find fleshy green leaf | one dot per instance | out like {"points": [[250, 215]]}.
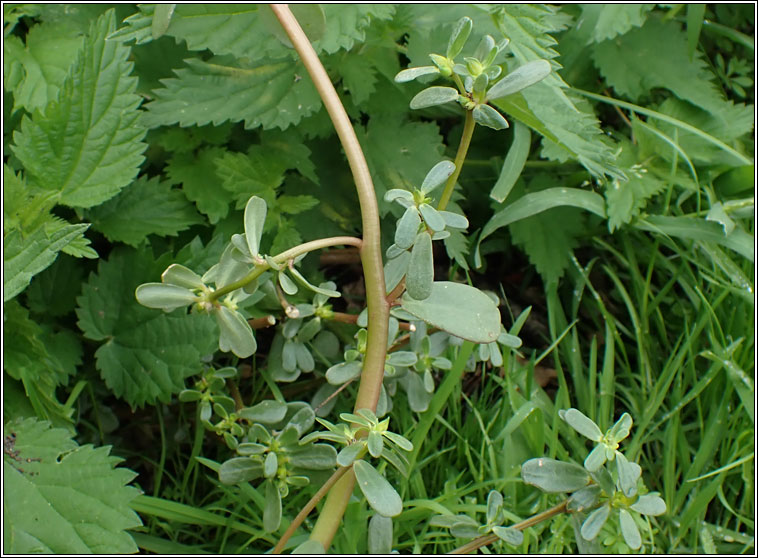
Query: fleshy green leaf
{"points": [[236, 335], [459, 36], [177, 274], [551, 475], [379, 534], [596, 458], [621, 428], [265, 412], [380, 494], [61, 498], [420, 276], [272, 510], [432, 217], [407, 228], [410, 74], [255, 218], [145, 207], [86, 146], [239, 469], [629, 473], [582, 424], [629, 530], [433, 96], [511, 536], [592, 525], [649, 504], [458, 309], [521, 78], [349, 454], [165, 297], [439, 174], [487, 116], [226, 89], [343, 372], [310, 547]]}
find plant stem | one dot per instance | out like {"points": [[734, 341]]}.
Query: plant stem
{"points": [[534, 520], [468, 131], [371, 258], [337, 475], [294, 252]]}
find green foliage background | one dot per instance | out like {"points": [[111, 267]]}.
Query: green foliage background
{"points": [[629, 230]]}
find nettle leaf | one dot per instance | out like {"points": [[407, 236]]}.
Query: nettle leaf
{"points": [[147, 354], [399, 153], [458, 309], [606, 21], [358, 76], [35, 69], [61, 498], [632, 64], [53, 292], [549, 239], [570, 129], [347, 24], [25, 256], [264, 93], [196, 172], [147, 206], [87, 145]]}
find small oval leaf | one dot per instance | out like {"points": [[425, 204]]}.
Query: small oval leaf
{"points": [[592, 525], [487, 116], [521, 78], [629, 530], [551, 475], [509, 535], [265, 412], [459, 36], [255, 217], [181, 276], [410, 74], [235, 333], [433, 96], [439, 174], [431, 217], [420, 277], [272, 509], [407, 228], [165, 297], [582, 424], [380, 535], [379, 493]]}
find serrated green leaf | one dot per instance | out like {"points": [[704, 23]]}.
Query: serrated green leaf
{"points": [[147, 354], [458, 309], [358, 76], [34, 69], [226, 89], [348, 24], [633, 66], [606, 21], [24, 257], [420, 275], [196, 172], [87, 164], [380, 494], [161, 19], [53, 292], [145, 207], [62, 498], [570, 129], [551, 475]]}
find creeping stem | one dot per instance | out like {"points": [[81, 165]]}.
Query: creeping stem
{"points": [[371, 258], [298, 250]]}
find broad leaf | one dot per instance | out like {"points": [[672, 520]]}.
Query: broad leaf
{"points": [[146, 354], [226, 89], [145, 207], [61, 498], [196, 172], [86, 146], [380, 494], [458, 309]]}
